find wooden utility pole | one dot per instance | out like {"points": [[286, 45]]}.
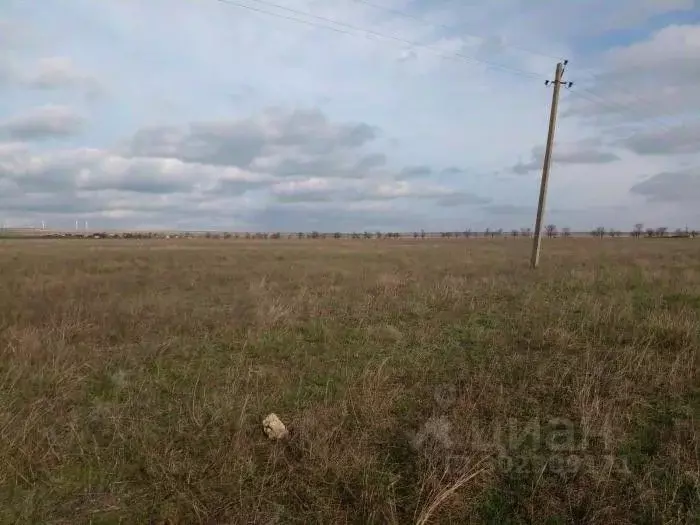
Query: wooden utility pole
{"points": [[559, 73]]}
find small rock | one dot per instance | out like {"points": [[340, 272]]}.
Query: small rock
{"points": [[274, 428]]}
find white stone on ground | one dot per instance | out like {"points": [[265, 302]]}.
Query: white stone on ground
{"points": [[274, 428]]}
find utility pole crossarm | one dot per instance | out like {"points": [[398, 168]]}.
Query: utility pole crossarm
{"points": [[557, 82]]}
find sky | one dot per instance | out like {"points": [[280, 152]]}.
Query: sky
{"points": [[350, 115]]}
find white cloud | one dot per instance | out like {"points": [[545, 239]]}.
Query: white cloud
{"points": [[653, 78], [368, 190], [584, 152], [59, 73], [50, 121], [675, 140], [361, 125], [667, 47], [48, 74], [88, 169], [288, 142], [679, 187]]}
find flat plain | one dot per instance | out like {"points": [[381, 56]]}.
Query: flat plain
{"points": [[423, 381]]}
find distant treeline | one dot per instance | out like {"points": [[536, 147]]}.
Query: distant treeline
{"points": [[550, 231]]}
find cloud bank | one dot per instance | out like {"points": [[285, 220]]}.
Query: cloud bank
{"points": [[213, 117]]}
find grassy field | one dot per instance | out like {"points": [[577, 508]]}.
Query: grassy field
{"points": [[435, 381]]}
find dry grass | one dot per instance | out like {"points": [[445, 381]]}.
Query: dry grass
{"points": [[134, 376]]}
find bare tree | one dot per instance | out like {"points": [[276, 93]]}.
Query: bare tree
{"points": [[526, 232], [661, 232], [467, 233], [422, 234], [551, 230], [650, 232], [337, 235], [566, 232], [638, 228], [599, 232], [514, 233]]}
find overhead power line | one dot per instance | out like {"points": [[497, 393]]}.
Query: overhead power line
{"points": [[405, 14], [366, 31], [598, 100], [351, 30], [622, 109]]}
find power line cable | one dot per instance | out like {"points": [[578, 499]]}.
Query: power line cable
{"points": [[616, 82], [457, 56], [407, 15], [597, 101], [622, 108], [642, 131], [454, 56], [594, 98], [588, 73], [628, 107], [410, 16]]}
